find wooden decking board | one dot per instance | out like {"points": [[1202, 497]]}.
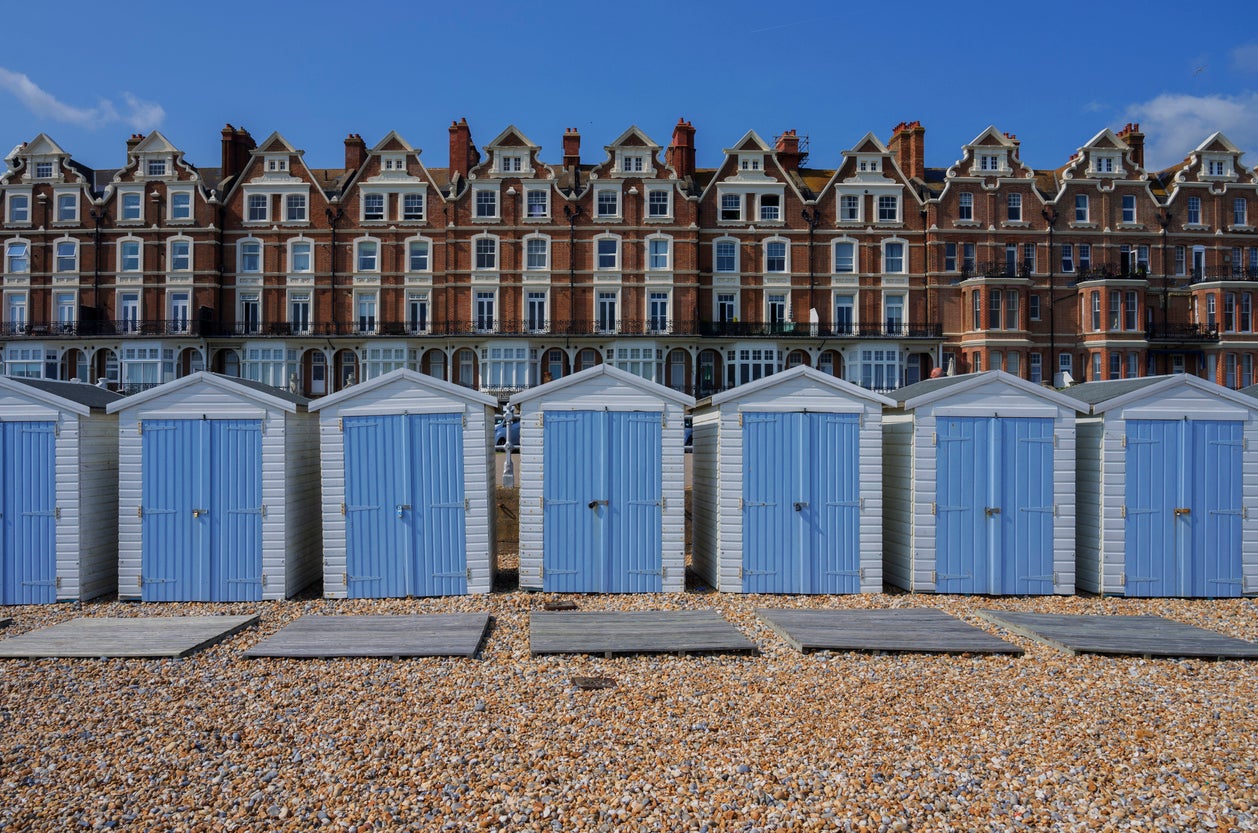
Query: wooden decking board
{"points": [[1148, 636], [635, 632], [428, 635], [909, 630], [140, 637]]}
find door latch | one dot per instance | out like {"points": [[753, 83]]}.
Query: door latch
{"points": [[596, 503], [402, 507], [992, 510], [800, 504], [1183, 510], [196, 513]]}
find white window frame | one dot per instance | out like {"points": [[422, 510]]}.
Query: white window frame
{"points": [[410, 257], [667, 212], [58, 258], [405, 214], [63, 199], [603, 324], [652, 321], [965, 207], [1192, 212], [484, 198], [373, 197], [533, 324], [598, 254], [257, 200], [124, 206], [773, 297], [291, 255], [539, 196], [897, 206], [834, 254], [529, 242], [904, 256], [178, 324], [241, 255], [850, 327], [295, 297], [10, 209], [1128, 208], [509, 162], [601, 196], [851, 208], [491, 257], [631, 162], [172, 213], [480, 323], [418, 324], [776, 210], [361, 246], [171, 244], [1013, 208], [243, 301], [902, 326], [123, 245], [372, 322], [1083, 208], [716, 258], [290, 206], [786, 256], [729, 203], [651, 243]]}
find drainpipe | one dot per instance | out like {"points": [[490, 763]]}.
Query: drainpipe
{"points": [[334, 217], [1050, 216]]}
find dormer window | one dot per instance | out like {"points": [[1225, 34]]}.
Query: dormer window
{"points": [[1218, 167], [991, 162], [511, 163], [277, 164], [632, 163], [1105, 163], [748, 163], [43, 170], [157, 167], [395, 163], [870, 165]]}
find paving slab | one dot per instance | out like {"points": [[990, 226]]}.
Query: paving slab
{"points": [[906, 630], [613, 633], [1145, 636], [425, 635], [140, 637]]}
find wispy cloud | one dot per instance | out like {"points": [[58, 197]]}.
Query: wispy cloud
{"points": [[1245, 58], [138, 114], [1175, 124]]}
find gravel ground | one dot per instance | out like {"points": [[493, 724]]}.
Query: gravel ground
{"points": [[506, 742]]}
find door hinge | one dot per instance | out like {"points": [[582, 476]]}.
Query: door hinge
{"points": [[263, 510], [934, 577], [862, 504], [1054, 441], [664, 504], [1124, 441], [540, 418], [56, 512], [934, 438], [342, 508], [264, 579], [663, 572], [56, 428], [1055, 510], [465, 419], [139, 426], [262, 426], [934, 509], [740, 504], [740, 569], [340, 424], [345, 579], [1056, 580], [467, 504], [139, 512], [139, 581], [469, 573], [1124, 510], [541, 503], [862, 573], [740, 425], [860, 419]]}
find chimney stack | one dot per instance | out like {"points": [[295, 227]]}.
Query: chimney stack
{"points": [[355, 152], [908, 143], [681, 153], [135, 139], [788, 151], [463, 154], [1135, 140], [571, 148], [236, 146]]}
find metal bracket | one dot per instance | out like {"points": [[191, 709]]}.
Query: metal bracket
{"points": [[934, 508], [1124, 510], [139, 512], [56, 513], [934, 438], [340, 424], [139, 426], [342, 508], [469, 573], [740, 425], [467, 504], [263, 510]]}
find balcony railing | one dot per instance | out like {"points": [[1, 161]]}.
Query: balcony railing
{"points": [[1182, 333], [1223, 273], [797, 329]]}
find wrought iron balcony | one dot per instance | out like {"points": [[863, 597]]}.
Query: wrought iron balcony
{"points": [[1182, 333], [1234, 272], [797, 329]]}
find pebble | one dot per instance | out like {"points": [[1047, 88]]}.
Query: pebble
{"points": [[839, 741]]}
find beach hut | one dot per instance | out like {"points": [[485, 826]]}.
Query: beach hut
{"points": [[408, 488], [787, 486], [980, 486], [602, 484], [218, 491], [1167, 476], [58, 491]]}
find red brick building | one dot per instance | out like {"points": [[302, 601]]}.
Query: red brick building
{"points": [[506, 269]]}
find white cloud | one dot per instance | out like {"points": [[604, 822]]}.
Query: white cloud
{"points": [[1245, 58], [140, 115], [1175, 124]]}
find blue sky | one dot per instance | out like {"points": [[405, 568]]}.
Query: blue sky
{"points": [[316, 71]]}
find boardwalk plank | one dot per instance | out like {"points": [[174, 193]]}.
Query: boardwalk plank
{"points": [[1147, 636], [915, 630], [429, 635], [635, 632], [144, 637]]}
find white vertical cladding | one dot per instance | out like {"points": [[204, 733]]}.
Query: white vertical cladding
{"points": [[1065, 495], [478, 486], [925, 466], [673, 490], [1249, 500], [274, 544], [871, 543], [332, 477], [302, 530], [1113, 526], [130, 486], [729, 534], [1088, 543], [705, 497], [70, 563], [530, 479], [97, 505], [897, 492]]}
